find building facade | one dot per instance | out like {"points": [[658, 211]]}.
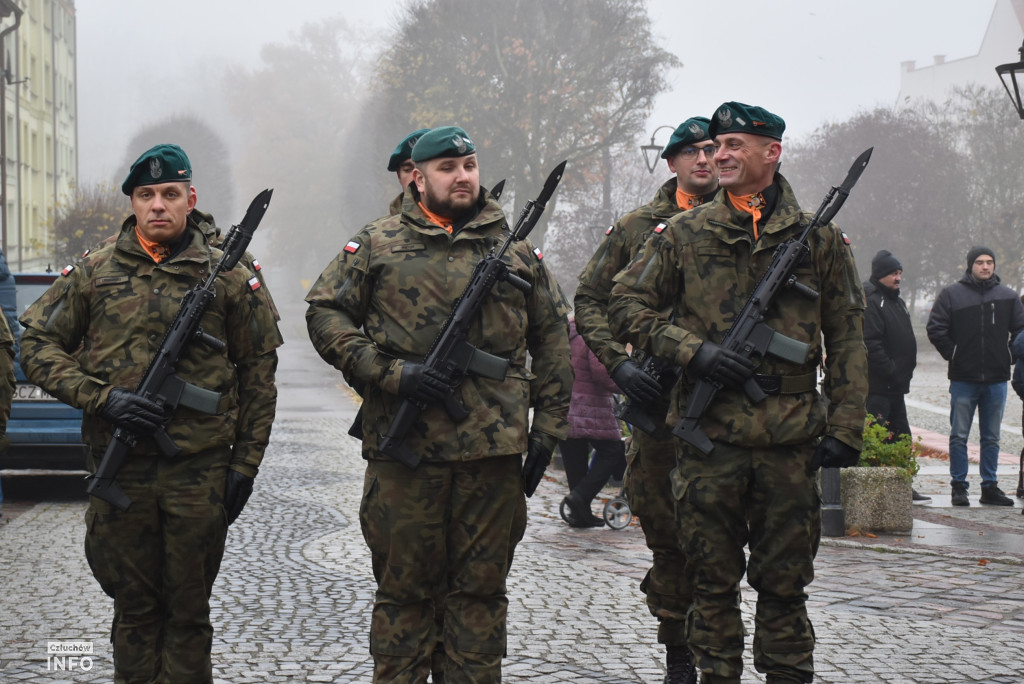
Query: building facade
{"points": [[39, 137], [1000, 44]]}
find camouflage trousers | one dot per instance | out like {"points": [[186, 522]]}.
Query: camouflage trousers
{"points": [[452, 525], [764, 498], [651, 458], [158, 561]]}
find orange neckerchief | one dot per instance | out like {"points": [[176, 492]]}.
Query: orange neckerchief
{"points": [[685, 200], [434, 218], [750, 204], [158, 250]]}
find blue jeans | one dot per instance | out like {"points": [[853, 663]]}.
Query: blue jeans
{"points": [[989, 398]]}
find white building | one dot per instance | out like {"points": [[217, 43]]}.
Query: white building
{"points": [[1001, 44]]}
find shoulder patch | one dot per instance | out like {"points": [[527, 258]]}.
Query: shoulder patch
{"points": [[85, 253], [254, 283], [67, 270], [846, 238], [256, 265], [538, 253], [660, 228], [610, 229], [352, 247]]}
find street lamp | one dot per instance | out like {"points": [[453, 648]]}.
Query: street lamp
{"points": [[1013, 70], [653, 151]]}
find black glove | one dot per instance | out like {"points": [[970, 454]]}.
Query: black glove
{"points": [[133, 412], [832, 453], [636, 384], [423, 384], [236, 492], [538, 457], [719, 365]]}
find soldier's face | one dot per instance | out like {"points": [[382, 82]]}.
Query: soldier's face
{"points": [[746, 163], [405, 173], [161, 210], [449, 186], [694, 166]]}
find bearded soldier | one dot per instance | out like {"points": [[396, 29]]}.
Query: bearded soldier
{"points": [[373, 314]]}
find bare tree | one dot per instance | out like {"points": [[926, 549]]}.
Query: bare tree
{"points": [[911, 200], [533, 81], [90, 216]]}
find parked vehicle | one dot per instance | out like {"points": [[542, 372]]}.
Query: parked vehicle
{"points": [[44, 432]]}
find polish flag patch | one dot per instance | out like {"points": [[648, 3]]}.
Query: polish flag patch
{"points": [[256, 266], [846, 238], [540, 256], [609, 231], [659, 228], [352, 247], [254, 283], [68, 269]]}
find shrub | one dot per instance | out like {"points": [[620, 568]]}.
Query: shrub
{"points": [[882, 449]]}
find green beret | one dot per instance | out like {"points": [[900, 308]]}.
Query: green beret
{"points": [[447, 141], [159, 164], [404, 149], [736, 117], [693, 130]]}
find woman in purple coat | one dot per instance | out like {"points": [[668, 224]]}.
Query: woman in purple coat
{"points": [[592, 424]]}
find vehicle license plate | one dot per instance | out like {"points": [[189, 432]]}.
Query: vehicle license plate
{"points": [[26, 392]]}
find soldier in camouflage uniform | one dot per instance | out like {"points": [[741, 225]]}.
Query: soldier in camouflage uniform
{"points": [[7, 382], [88, 340], [678, 299], [373, 314], [401, 163], [690, 156]]}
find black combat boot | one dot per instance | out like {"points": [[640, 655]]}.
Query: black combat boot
{"points": [[679, 666], [959, 496]]}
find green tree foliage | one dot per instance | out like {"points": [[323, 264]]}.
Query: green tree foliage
{"points": [[211, 163], [911, 200], [92, 215], [532, 81]]}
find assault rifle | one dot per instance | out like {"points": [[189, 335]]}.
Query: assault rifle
{"points": [[160, 383], [451, 353], [650, 417], [356, 428], [749, 334]]}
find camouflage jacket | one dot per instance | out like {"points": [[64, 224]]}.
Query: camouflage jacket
{"points": [[384, 299], [620, 245], [701, 269], [100, 324], [7, 381]]}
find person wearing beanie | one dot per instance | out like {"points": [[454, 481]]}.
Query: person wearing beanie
{"points": [[689, 155], [88, 340], [676, 300], [453, 521], [971, 324], [892, 348]]}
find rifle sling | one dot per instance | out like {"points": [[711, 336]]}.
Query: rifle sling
{"points": [[787, 384]]}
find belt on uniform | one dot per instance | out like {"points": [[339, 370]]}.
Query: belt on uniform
{"points": [[787, 384]]}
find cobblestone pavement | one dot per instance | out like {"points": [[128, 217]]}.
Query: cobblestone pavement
{"points": [[293, 598]]}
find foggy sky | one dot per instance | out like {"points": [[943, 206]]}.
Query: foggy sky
{"points": [[809, 61]]}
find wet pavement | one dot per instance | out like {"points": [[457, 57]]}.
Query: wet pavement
{"points": [[942, 604]]}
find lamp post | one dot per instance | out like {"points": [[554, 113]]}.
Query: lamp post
{"points": [[653, 151], [1013, 70]]}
